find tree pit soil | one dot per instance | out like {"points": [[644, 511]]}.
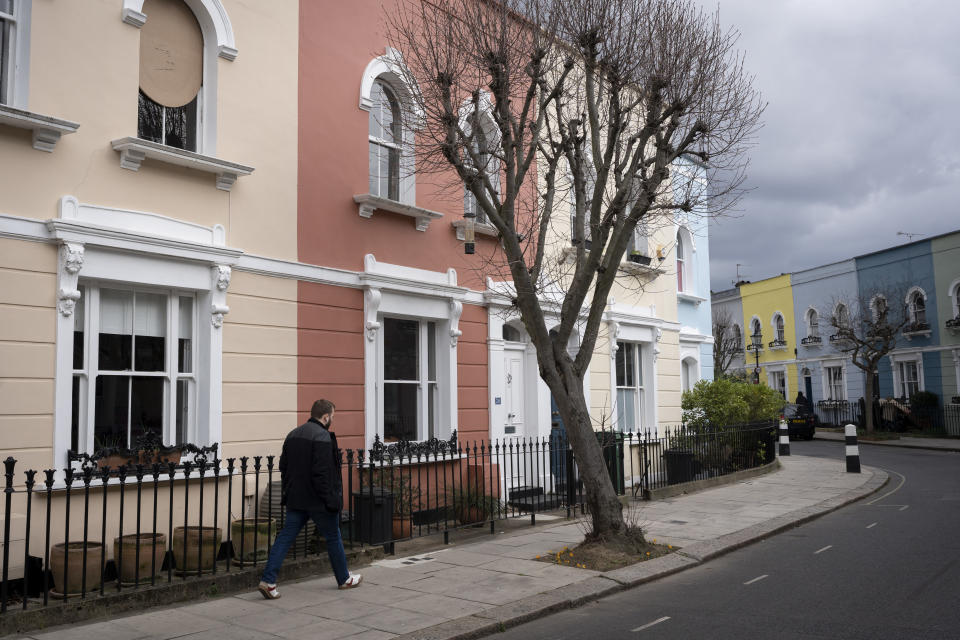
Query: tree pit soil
{"points": [[606, 555]]}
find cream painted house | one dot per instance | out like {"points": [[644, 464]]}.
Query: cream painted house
{"points": [[147, 214]]}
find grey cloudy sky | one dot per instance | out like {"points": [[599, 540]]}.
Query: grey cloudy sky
{"points": [[861, 137]]}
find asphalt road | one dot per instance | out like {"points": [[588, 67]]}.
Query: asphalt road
{"points": [[887, 566]]}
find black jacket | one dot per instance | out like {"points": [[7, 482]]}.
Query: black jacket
{"points": [[310, 469]]}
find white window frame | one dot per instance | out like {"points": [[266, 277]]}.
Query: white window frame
{"points": [[953, 292], [387, 144], [391, 70], [637, 388], [832, 384], [16, 56], [494, 166], [423, 381], [779, 326], [813, 323], [911, 301], [163, 125], [898, 361], [171, 375], [122, 248], [624, 325], [405, 292], [777, 374]]}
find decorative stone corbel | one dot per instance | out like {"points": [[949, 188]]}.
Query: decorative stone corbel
{"points": [[221, 274], [371, 307], [456, 310], [656, 345], [614, 332], [71, 261]]}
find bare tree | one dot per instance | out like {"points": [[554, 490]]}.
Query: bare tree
{"points": [[727, 342], [563, 115], [866, 328]]}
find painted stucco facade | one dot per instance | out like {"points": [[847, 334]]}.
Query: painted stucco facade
{"points": [[767, 302]]}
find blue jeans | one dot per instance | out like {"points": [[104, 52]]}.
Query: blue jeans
{"points": [[329, 526]]}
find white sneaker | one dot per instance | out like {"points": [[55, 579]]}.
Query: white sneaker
{"points": [[269, 591], [353, 581]]}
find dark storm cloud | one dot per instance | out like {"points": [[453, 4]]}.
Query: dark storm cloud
{"points": [[861, 135]]}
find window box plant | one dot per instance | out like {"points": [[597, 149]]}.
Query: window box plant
{"points": [[639, 258]]}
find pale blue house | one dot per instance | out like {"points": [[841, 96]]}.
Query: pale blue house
{"points": [[823, 372], [693, 283]]}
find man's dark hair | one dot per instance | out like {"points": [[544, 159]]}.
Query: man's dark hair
{"points": [[321, 408]]}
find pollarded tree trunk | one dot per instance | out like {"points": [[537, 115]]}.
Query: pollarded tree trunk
{"points": [[606, 511], [868, 402]]}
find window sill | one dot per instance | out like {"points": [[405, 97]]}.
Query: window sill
{"points": [[369, 203], [637, 269], [481, 228], [133, 151], [689, 297], [46, 129], [909, 335]]}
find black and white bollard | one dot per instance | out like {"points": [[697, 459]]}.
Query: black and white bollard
{"points": [[853, 449], [784, 438]]}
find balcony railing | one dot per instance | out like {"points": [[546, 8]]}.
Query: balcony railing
{"points": [[952, 323], [809, 340], [916, 327], [778, 344]]}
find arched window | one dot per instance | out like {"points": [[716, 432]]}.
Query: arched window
{"points": [[386, 141], [813, 324], [756, 334], [737, 337], [482, 158], [171, 75], [878, 308], [778, 328], [842, 315], [512, 334], [918, 308], [680, 262]]}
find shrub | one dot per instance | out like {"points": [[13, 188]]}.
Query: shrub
{"points": [[724, 402]]}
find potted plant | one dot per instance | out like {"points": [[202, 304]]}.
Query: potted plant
{"points": [[81, 573], [472, 506], [134, 567], [188, 556], [252, 538], [405, 496]]}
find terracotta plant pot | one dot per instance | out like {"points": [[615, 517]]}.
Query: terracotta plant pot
{"points": [[163, 456], [72, 557], [470, 515], [115, 461], [193, 536], [246, 533], [402, 528], [153, 546]]}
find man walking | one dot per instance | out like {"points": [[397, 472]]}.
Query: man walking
{"points": [[312, 490]]}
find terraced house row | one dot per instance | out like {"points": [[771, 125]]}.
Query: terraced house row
{"points": [[211, 215], [799, 350]]}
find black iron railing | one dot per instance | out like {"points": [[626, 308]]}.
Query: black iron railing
{"points": [[91, 530], [811, 340]]}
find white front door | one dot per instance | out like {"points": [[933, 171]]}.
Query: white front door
{"points": [[513, 393]]}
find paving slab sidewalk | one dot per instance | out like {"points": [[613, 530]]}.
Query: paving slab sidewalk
{"points": [[471, 589]]}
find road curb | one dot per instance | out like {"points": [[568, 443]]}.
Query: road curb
{"points": [[881, 443], [574, 595]]}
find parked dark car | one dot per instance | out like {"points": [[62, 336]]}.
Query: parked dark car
{"points": [[801, 422]]}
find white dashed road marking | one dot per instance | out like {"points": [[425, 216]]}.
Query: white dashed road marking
{"points": [[757, 579], [871, 525], [904, 507], [650, 624], [829, 546]]}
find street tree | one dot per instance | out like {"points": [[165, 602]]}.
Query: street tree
{"points": [[727, 342], [866, 328], [574, 115]]}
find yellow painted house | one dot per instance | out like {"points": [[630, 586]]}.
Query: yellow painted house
{"points": [[768, 321]]}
